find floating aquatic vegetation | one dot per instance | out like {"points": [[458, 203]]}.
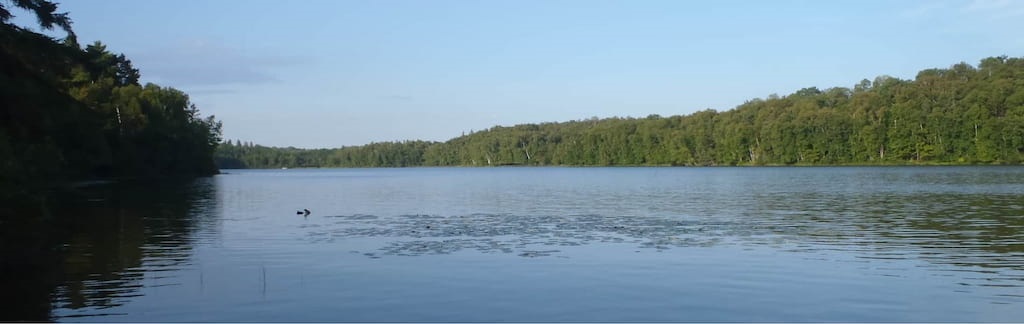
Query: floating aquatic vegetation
{"points": [[534, 235]]}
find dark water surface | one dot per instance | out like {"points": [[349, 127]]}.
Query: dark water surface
{"points": [[547, 244]]}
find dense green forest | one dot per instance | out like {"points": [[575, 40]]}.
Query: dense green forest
{"points": [[959, 115], [68, 112]]}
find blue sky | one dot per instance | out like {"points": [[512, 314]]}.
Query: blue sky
{"points": [[336, 73]]}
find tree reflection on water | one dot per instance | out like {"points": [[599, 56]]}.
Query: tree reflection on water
{"points": [[92, 246]]}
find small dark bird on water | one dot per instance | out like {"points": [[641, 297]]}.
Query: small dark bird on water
{"points": [[304, 212]]}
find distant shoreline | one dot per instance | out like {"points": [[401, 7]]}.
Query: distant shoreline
{"points": [[648, 166]]}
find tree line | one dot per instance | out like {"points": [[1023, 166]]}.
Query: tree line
{"points": [[240, 155], [71, 112], [958, 115]]}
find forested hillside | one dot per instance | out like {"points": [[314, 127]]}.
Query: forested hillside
{"points": [[959, 115], [68, 112]]}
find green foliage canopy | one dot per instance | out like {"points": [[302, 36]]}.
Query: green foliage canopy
{"points": [[68, 112]]}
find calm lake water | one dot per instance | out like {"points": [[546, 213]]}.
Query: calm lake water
{"points": [[547, 244]]}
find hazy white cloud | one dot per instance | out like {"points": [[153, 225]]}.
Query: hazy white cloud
{"points": [[212, 91], [926, 10], [995, 9], [204, 63], [399, 97], [978, 9], [980, 5]]}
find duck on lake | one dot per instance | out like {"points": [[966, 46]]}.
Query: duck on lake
{"points": [[304, 212]]}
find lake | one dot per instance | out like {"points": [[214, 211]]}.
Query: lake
{"points": [[852, 244]]}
